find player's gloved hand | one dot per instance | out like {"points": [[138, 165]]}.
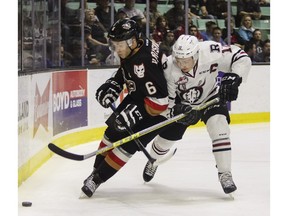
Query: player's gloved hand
{"points": [[192, 116], [229, 87], [108, 92], [128, 117]]}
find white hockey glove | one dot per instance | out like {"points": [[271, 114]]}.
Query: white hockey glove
{"points": [[128, 117], [108, 92]]}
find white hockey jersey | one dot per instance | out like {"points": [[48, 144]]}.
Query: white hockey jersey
{"points": [[200, 83]]}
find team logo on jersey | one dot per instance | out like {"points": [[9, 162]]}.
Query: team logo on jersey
{"points": [[139, 70], [131, 86], [193, 94]]}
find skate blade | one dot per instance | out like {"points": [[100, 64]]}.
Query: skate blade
{"points": [[231, 196], [82, 196]]}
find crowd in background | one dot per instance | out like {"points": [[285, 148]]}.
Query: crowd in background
{"points": [[164, 28]]}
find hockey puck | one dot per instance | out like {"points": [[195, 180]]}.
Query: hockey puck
{"points": [[27, 204]]}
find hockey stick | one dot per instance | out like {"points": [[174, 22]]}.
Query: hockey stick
{"points": [[72, 156]]}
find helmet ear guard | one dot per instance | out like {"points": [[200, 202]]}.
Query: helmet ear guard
{"points": [[186, 46]]}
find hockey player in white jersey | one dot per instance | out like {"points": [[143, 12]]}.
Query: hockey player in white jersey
{"points": [[192, 72]]}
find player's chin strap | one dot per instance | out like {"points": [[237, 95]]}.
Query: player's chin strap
{"points": [[57, 150], [130, 44]]}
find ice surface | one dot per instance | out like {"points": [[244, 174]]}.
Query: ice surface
{"points": [[186, 185]]}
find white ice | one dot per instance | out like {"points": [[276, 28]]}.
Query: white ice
{"points": [[186, 185]]}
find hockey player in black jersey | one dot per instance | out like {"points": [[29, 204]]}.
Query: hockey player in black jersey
{"points": [[141, 70], [192, 72]]}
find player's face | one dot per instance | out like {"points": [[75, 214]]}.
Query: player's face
{"points": [[121, 47], [185, 64]]}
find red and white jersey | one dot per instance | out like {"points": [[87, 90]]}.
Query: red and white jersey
{"points": [[200, 83]]}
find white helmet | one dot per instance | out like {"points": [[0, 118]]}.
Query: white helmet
{"points": [[186, 46]]}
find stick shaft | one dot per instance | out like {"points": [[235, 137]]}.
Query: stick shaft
{"points": [[120, 142]]}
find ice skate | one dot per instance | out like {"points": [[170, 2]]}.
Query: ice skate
{"points": [[149, 171], [91, 184], [227, 183], [90, 176]]}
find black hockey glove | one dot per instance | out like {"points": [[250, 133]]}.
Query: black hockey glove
{"points": [[128, 117], [192, 116], [108, 92], [229, 87]]}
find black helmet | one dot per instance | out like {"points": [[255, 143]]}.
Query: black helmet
{"points": [[124, 29]]}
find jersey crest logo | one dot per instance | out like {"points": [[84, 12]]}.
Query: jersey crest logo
{"points": [[139, 70], [193, 94]]}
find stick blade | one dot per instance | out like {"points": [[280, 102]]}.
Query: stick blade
{"points": [[64, 153]]}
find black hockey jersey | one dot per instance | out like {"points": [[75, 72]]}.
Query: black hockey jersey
{"points": [[143, 75]]}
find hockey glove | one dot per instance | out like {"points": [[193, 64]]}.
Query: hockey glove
{"points": [[108, 92], [128, 117], [229, 87], [192, 116]]}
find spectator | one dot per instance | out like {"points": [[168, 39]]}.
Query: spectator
{"points": [[264, 2], [257, 38], [194, 7], [264, 56], [92, 55], [52, 57], [70, 22], [142, 28], [97, 29], [97, 51], [247, 7], [234, 36], [96, 44], [250, 49], [130, 10], [181, 28], [160, 29], [193, 30], [69, 15], [153, 14], [76, 51], [246, 29], [176, 15], [217, 36], [204, 14], [168, 42], [103, 12], [218, 9], [207, 34], [210, 9]]}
